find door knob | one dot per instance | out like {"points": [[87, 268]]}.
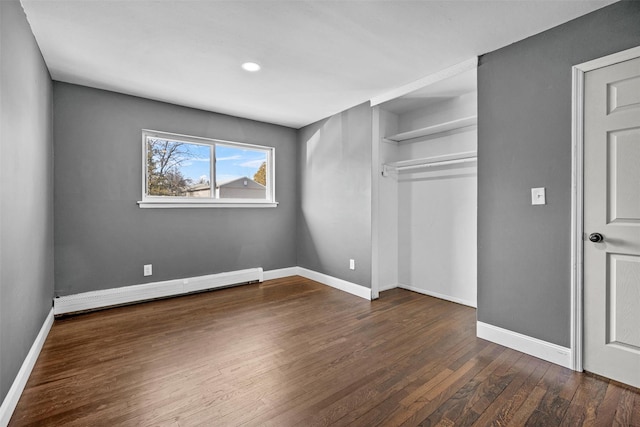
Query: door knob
{"points": [[596, 237]]}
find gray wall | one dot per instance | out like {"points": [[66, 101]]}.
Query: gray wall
{"points": [[524, 141], [103, 238], [334, 172], [26, 186]]}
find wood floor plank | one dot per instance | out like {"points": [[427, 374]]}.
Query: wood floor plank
{"points": [[588, 397], [293, 352], [406, 393], [635, 411], [627, 410], [294, 415], [527, 408], [488, 391], [389, 385], [460, 404], [431, 401], [607, 409], [561, 386], [501, 410]]}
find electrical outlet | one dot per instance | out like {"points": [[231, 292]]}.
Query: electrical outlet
{"points": [[538, 196], [148, 270], [352, 264]]}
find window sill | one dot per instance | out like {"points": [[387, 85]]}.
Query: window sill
{"points": [[160, 204]]}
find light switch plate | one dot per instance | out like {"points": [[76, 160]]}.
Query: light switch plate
{"points": [[538, 196]]}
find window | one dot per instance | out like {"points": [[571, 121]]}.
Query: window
{"points": [[188, 171]]}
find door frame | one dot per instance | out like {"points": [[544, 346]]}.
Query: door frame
{"points": [[577, 202]]}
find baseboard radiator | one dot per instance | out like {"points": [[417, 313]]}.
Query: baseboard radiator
{"points": [[137, 293]]}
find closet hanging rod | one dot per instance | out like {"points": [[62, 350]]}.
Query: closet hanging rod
{"points": [[429, 162], [440, 163]]}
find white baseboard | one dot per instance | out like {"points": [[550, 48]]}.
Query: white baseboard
{"points": [[388, 287], [148, 291], [334, 282], [13, 396], [437, 295], [280, 273], [541, 349]]}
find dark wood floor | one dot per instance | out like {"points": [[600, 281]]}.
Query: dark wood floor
{"points": [[292, 352]]}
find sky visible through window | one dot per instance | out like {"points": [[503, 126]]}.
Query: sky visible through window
{"points": [[232, 163]]}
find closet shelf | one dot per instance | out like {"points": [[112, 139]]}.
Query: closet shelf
{"points": [[433, 130], [449, 159]]}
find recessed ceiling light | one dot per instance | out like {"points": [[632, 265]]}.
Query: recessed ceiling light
{"points": [[251, 66]]}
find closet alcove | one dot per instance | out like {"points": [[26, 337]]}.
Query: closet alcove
{"points": [[425, 189]]}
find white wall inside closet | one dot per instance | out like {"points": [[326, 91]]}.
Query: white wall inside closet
{"points": [[426, 216]]}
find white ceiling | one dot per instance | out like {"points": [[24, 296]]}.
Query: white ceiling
{"points": [[439, 91], [318, 57]]}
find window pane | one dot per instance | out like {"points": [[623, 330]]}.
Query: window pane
{"points": [[176, 168], [241, 173]]}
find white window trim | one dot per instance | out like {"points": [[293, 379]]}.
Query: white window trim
{"points": [[189, 202]]}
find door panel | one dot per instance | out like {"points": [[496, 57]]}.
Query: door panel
{"points": [[624, 176], [624, 293], [624, 94], [612, 208]]}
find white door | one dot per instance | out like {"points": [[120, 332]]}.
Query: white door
{"points": [[612, 213]]}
